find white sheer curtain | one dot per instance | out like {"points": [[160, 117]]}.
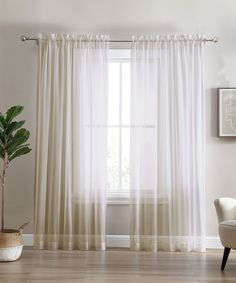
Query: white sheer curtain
{"points": [[70, 197], [167, 144]]}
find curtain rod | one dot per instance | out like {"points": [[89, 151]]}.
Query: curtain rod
{"points": [[26, 38]]}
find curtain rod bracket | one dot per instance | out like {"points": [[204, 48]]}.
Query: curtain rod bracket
{"points": [[215, 39], [23, 38]]}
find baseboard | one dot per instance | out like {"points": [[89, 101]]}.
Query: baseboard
{"points": [[213, 243], [112, 241], [118, 241], [123, 241], [28, 240]]}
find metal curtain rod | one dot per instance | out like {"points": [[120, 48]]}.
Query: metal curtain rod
{"points": [[26, 38]]}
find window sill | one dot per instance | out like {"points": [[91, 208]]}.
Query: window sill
{"points": [[124, 199], [118, 199]]}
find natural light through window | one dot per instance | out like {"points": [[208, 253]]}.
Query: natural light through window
{"points": [[118, 124]]}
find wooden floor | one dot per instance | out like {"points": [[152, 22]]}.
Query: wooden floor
{"points": [[117, 266]]}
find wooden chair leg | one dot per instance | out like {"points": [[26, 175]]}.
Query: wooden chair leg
{"points": [[225, 257]]}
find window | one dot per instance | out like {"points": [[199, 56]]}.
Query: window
{"points": [[118, 123]]}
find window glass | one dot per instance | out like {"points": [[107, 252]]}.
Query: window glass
{"points": [[118, 124]]}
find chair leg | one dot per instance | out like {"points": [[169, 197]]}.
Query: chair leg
{"points": [[225, 257]]}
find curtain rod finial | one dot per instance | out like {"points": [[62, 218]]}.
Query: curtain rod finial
{"points": [[215, 39], [23, 38]]}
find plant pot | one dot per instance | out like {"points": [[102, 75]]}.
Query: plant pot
{"points": [[11, 243]]}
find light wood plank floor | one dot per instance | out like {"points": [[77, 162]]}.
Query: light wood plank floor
{"points": [[116, 266]]}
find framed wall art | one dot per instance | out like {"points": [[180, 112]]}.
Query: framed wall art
{"points": [[227, 112]]}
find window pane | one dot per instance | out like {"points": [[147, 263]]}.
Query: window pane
{"points": [[113, 160], [125, 172], [119, 126], [113, 93], [126, 93]]}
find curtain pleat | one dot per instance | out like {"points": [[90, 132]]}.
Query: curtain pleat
{"points": [[167, 146], [70, 196]]}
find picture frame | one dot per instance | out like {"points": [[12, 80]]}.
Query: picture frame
{"points": [[227, 112]]}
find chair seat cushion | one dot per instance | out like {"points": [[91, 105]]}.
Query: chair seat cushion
{"points": [[228, 223], [227, 231]]}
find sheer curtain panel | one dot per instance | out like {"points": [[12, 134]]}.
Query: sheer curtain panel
{"points": [[167, 144], [70, 197]]}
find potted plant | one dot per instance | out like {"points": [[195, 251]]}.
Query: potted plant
{"points": [[13, 138]]}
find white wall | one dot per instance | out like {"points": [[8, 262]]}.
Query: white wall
{"points": [[120, 18]]}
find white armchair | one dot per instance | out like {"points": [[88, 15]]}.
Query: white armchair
{"points": [[226, 213]]}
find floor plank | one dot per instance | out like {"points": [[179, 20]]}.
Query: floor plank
{"points": [[118, 266]]}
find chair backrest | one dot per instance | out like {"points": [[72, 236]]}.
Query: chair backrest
{"points": [[225, 209]]}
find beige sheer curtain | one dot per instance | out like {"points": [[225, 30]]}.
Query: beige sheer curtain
{"points": [[167, 163], [70, 197]]}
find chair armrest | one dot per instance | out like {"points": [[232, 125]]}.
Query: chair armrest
{"points": [[225, 209]]}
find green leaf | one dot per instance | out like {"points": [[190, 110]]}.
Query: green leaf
{"points": [[22, 133], [1, 125], [2, 137], [2, 152], [14, 149], [3, 122], [20, 137], [13, 126], [13, 112], [22, 151]]}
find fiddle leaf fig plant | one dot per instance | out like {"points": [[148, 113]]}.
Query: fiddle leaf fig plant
{"points": [[13, 138]]}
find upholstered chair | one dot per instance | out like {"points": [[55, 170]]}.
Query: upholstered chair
{"points": [[226, 213]]}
